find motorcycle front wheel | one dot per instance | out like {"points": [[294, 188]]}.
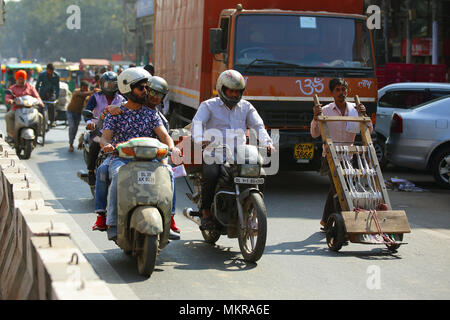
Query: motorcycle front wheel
{"points": [[252, 238], [146, 259], [27, 149]]}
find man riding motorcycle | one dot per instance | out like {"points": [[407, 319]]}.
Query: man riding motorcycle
{"points": [[157, 90], [20, 89], [226, 112], [97, 103], [136, 120]]}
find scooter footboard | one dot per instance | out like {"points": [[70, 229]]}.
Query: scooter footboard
{"points": [[147, 220]]}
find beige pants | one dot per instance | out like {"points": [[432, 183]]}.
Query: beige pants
{"points": [[10, 118]]}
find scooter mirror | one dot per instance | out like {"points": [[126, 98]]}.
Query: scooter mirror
{"points": [[88, 114], [7, 91]]}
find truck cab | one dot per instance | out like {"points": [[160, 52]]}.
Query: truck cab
{"points": [[286, 57]]}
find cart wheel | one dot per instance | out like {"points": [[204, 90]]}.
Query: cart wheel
{"points": [[335, 232], [394, 247]]}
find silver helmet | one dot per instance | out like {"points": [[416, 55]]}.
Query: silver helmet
{"points": [[158, 84], [230, 79]]}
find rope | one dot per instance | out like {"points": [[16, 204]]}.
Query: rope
{"points": [[373, 215]]}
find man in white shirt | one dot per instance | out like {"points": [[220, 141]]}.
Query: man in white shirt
{"points": [[230, 115], [342, 133]]}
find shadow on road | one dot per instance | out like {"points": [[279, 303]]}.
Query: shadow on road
{"points": [[315, 245]]}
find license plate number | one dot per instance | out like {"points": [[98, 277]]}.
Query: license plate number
{"points": [[304, 151], [240, 180]]}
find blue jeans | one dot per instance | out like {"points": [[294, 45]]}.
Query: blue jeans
{"points": [[73, 118], [114, 166], [101, 186]]}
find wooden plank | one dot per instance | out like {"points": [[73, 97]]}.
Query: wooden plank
{"points": [[342, 118], [393, 221]]}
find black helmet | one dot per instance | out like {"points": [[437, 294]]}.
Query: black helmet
{"points": [[108, 83]]}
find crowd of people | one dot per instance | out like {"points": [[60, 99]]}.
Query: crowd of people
{"points": [[132, 104]]}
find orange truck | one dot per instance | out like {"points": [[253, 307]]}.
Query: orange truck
{"points": [[287, 51]]}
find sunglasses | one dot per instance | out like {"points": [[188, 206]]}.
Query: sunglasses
{"points": [[156, 93], [142, 87]]}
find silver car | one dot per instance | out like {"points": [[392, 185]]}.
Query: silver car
{"points": [[419, 138], [398, 97]]}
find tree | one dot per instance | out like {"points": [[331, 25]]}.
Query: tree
{"points": [[38, 30]]}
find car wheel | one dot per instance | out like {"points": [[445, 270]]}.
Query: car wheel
{"points": [[440, 167], [380, 150]]}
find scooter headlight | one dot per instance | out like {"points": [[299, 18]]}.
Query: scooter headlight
{"points": [[250, 170]]}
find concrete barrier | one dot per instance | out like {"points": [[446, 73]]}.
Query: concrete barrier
{"points": [[38, 258]]}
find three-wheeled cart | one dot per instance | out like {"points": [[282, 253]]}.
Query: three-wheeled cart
{"points": [[364, 213]]}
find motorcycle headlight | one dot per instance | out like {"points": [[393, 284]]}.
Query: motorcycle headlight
{"points": [[250, 170]]}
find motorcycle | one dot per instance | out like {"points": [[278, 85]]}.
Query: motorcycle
{"points": [[27, 125], [84, 143], [144, 201], [238, 208]]}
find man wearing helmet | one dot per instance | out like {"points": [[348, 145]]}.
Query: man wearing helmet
{"points": [[157, 91], [97, 103], [226, 112], [137, 120]]}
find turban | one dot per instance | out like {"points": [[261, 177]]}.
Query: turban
{"points": [[21, 74]]}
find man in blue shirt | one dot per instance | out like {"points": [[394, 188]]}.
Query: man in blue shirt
{"points": [[47, 86]]}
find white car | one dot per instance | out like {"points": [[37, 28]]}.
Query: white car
{"points": [[399, 97]]}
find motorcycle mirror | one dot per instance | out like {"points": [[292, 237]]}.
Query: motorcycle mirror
{"points": [[7, 91], [88, 114]]}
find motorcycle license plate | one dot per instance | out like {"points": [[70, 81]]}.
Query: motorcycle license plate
{"points": [[240, 180], [304, 151]]}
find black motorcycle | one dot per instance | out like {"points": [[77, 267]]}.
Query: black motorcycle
{"points": [[238, 208]]}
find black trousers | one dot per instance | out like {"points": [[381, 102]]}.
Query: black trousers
{"points": [[94, 149], [332, 204], [211, 173]]}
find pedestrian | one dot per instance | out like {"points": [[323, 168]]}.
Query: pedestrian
{"points": [[74, 111], [341, 132], [48, 87]]}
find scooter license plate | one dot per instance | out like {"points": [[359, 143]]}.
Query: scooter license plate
{"points": [[27, 110], [240, 180]]}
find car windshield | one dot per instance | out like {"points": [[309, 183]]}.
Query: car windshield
{"points": [[310, 41]]}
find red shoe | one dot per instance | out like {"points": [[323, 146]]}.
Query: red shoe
{"points": [[173, 226], [100, 224]]}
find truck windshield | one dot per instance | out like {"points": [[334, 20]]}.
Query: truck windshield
{"points": [[289, 41]]}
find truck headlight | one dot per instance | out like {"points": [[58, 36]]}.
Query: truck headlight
{"points": [[250, 170]]}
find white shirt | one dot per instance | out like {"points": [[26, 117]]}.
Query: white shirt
{"points": [[214, 114]]}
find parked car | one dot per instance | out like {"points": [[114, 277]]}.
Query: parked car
{"points": [[419, 138], [397, 97]]}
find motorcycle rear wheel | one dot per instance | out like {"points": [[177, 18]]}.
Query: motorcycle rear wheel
{"points": [[146, 259], [254, 216]]}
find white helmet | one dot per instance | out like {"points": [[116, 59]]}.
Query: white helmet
{"points": [[131, 76], [230, 79]]}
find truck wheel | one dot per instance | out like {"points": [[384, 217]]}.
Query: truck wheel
{"points": [[440, 167], [146, 259], [252, 239]]}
